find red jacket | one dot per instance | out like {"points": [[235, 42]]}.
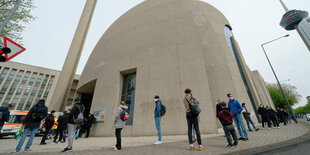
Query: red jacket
{"points": [[226, 117]]}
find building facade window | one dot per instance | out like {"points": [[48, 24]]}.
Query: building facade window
{"points": [[128, 95], [229, 38], [3, 74]]}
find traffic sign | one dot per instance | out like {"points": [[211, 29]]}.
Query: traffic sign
{"points": [[15, 48]]}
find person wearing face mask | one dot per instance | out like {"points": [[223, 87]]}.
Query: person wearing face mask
{"points": [[157, 117], [49, 121], [235, 107]]}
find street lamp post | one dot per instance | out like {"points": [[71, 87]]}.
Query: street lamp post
{"points": [[289, 106]]}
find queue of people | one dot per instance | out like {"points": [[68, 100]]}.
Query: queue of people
{"points": [[74, 123]]}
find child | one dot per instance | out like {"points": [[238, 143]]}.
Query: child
{"points": [[226, 118]]}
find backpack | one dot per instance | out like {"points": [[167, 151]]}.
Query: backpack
{"points": [[163, 110], [194, 106], [38, 113], [80, 117], [124, 115]]}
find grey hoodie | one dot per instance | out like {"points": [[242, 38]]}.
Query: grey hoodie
{"points": [[118, 123]]}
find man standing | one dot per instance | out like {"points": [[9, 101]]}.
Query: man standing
{"points": [[5, 114], [62, 125], [49, 122], [32, 121], [192, 120], [90, 119], [247, 117], [157, 116], [236, 109], [73, 115]]}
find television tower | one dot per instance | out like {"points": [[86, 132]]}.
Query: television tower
{"points": [[297, 20]]}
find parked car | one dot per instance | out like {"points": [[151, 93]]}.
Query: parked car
{"points": [[16, 119], [308, 117]]}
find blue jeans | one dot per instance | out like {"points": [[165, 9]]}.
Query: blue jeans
{"points": [[239, 122], [23, 138], [157, 123], [248, 121]]}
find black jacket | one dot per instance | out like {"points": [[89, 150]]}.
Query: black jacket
{"points": [[272, 114], [263, 113], [62, 122], [39, 107], [75, 111], [5, 115], [218, 109], [90, 120]]}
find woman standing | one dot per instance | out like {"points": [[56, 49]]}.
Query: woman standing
{"points": [[119, 125]]}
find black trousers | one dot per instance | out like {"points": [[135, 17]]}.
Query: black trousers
{"points": [[59, 132], [193, 121], [47, 130], [118, 138], [275, 122], [87, 132]]}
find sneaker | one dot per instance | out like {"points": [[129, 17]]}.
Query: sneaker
{"points": [[53, 143], [59, 142], [256, 129], [27, 149], [15, 151], [191, 148], [66, 149], [274, 127], [229, 145], [115, 149], [250, 130], [42, 143], [269, 128], [278, 127], [201, 148], [245, 139], [158, 142], [241, 138], [235, 146]]}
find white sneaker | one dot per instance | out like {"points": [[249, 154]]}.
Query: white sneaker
{"points": [[278, 127], [274, 127], [59, 142], [157, 142], [269, 128], [115, 149], [27, 149], [52, 143]]}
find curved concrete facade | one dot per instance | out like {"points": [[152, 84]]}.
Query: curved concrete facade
{"points": [[171, 45]]}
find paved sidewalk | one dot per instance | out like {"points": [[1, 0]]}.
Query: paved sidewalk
{"points": [[215, 144]]}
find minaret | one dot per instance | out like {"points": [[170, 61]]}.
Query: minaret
{"points": [[297, 20], [68, 71], [284, 6]]}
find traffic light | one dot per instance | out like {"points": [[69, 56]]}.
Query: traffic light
{"points": [[4, 50]]}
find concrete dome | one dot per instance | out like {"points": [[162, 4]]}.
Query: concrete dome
{"points": [[171, 45]]}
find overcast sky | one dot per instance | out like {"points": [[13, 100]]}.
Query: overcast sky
{"points": [[254, 22]]}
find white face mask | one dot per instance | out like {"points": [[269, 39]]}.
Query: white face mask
{"points": [[231, 98], [156, 100]]}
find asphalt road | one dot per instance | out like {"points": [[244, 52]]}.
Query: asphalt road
{"points": [[301, 149]]}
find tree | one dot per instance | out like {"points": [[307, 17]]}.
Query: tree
{"points": [[277, 97], [16, 25], [303, 109]]}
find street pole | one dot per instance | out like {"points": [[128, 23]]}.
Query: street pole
{"points": [[10, 15], [275, 75]]}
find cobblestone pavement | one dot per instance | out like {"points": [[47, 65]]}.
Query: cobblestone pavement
{"points": [[215, 144]]}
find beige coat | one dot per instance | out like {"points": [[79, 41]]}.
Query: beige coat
{"points": [[186, 104]]}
